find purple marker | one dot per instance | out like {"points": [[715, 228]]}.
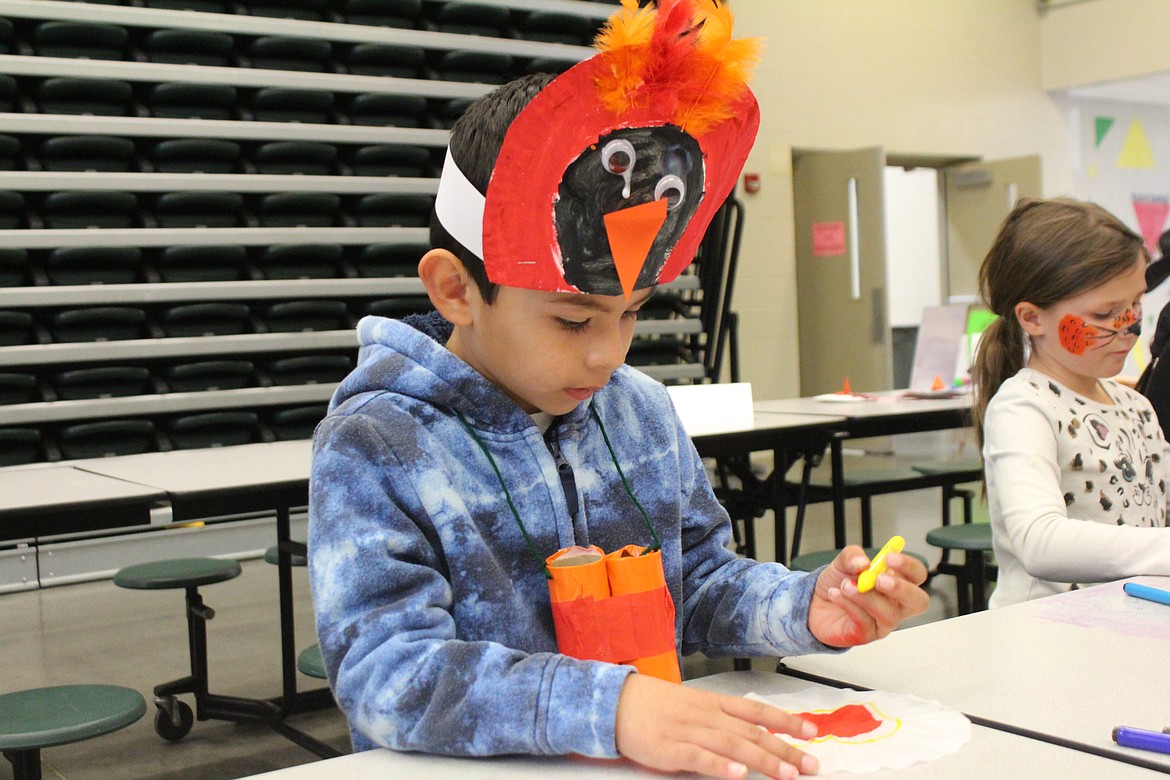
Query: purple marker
{"points": [[1142, 739]]}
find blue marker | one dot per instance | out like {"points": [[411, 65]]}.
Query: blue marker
{"points": [[1146, 592], [1142, 739]]}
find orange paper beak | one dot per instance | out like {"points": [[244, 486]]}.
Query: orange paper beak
{"points": [[631, 233]]}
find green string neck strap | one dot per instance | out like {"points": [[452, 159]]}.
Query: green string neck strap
{"points": [[657, 544]]}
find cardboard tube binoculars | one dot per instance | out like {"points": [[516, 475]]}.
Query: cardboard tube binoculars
{"points": [[614, 608]]}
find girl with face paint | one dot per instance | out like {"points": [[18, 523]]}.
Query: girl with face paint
{"points": [[1076, 465]]}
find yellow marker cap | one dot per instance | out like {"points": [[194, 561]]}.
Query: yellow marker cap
{"points": [[868, 578]]}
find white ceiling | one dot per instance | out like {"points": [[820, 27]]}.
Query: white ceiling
{"points": [[1154, 88]]}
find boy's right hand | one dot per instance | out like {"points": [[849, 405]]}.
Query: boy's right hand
{"points": [[674, 728]]}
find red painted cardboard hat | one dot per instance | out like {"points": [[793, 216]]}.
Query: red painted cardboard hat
{"points": [[609, 177]]}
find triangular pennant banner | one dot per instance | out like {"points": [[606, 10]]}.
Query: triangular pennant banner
{"points": [[1102, 125], [1151, 211], [1136, 152]]}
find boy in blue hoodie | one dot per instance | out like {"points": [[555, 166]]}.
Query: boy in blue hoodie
{"points": [[470, 444]]}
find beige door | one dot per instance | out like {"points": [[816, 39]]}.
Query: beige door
{"points": [[838, 203], [978, 197]]}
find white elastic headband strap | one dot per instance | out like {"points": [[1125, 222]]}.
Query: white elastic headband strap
{"points": [[459, 207]]}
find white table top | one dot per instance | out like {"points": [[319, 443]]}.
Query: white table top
{"points": [[217, 468], [46, 500], [256, 465], [990, 753], [1073, 666], [38, 489], [888, 403]]}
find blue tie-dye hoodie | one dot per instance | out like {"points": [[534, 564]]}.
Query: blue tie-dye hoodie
{"points": [[432, 612]]}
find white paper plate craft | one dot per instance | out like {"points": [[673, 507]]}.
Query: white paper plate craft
{"points": [[869, 731], [844, 395]]}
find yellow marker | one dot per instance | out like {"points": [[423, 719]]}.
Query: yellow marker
{"points": [[868, 578]]}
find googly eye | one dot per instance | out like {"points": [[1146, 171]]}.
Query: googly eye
{"points": [[671, 188], [618, 156]]}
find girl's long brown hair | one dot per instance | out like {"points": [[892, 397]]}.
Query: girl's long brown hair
{"points": [[1046, 251]]}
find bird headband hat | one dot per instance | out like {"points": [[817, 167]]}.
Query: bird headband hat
{"points": [[608, 178]]}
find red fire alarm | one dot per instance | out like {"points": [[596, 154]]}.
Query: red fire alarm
{"points": [[751, 183]]}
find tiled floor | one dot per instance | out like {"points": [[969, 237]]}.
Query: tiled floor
{"points": [[97, 632]]}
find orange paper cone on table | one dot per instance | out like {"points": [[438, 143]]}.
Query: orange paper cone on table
{"points": [[615, 608]]}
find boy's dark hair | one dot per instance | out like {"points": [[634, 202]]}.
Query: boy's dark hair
{"points": [[476, 140]]}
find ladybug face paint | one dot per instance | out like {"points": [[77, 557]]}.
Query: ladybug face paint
{"points": [[1078, 336]]}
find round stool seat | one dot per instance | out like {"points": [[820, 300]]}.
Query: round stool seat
{"points": [[815, 560], [44, 717], [272, 555], [311, 663], [177, 573], [867, 476], [950, 466], [964, 536]]}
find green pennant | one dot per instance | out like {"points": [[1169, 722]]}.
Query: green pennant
{"points": [[1103, 123]]}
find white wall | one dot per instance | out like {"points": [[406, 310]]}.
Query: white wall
{"points": [[946, 77]]}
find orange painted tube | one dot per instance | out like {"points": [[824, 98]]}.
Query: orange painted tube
{"points": [[614, 608], [577, 572], [633, 572]]}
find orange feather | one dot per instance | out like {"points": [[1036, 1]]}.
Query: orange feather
{"points": [[678, 58]]}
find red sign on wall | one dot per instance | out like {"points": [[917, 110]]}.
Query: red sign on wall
{"points": [[828, 239]]}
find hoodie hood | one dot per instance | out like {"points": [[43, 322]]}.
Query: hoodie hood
{"points": [[408, 357]]}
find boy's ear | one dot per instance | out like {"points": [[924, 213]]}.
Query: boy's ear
{"points": [[448, 284], [1028, 315]]}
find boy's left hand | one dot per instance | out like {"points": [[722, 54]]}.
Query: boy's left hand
{"points": [[839, 616]]}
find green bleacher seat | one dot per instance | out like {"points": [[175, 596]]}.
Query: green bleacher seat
{"points": [[193, 101], [88, 153], [196, 208], [88, 40], [391, 160], [100, 97], [306, 157], [13, 266], [214, 429], [209, 375], [107, 438], [98, 323], [94, 265], [284, 52], [196, 155], [299, 209], [206, 319], [18, 388], [282, 104], [305, 316], [20, 445], [201, 263], [189, 47], [90, 209], [300, 261], [102, 382]]}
